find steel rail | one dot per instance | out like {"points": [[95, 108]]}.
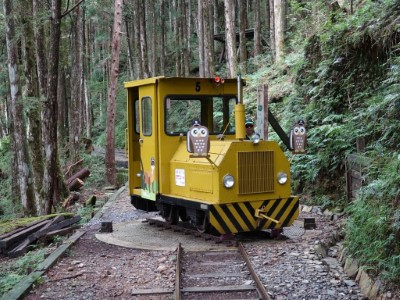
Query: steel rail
{"points": [[260, 287], [179, 256]]}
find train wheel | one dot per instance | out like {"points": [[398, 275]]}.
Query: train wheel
{"points": [[173, 216], [204, 226]]}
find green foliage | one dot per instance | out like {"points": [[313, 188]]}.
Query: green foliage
{"points": [[7, 208], [86, 213], [97, 170], [11, 274]]}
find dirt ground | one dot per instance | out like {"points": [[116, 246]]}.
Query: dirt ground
{"points": [[289, 267]]}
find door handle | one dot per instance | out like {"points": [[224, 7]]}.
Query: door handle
{"points": [[140, 141]]}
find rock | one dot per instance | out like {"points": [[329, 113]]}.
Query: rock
{"points": [[320, 249], [365, 282], [351, 267]]}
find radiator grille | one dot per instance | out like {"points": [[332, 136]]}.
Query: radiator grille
{"points": [[256, 172]]}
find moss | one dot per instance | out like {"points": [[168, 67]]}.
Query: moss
{"points": [[13, 224]]}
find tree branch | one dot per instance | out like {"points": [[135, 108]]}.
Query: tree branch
{"points": [[68, 11]]}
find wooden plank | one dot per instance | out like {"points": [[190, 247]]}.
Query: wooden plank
{"points": [[216, 275], [22, 248], [63, 231], [8, 234], [19, 236], [217, 263], [152, 291], [225, 288]]}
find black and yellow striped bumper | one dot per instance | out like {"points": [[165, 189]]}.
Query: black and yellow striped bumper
{"points": [[241, 217]]}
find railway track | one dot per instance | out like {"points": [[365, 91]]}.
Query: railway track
{"points": [[226, 274]]}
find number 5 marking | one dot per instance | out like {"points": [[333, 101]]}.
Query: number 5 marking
{"points": [[198, 86]]}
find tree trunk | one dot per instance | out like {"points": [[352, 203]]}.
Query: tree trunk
{"points": [[143, 39], [176, 24], [153, 44], [257, 28], [31, 91], [230, 38], [162, 37], [185, 40], [20, 151], [51, 178], [76, 94], [62, 103], [207, 38], [112, 93], [242, 36], [138, 50], [129, 43], [280, 17], [272, 27], [200, 37]]}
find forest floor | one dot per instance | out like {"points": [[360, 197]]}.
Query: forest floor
{"points": [[290, 268]]}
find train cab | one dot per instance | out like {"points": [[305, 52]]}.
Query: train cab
{"points": [[188, 158]]}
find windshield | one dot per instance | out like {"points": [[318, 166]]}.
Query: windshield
{"points": [[214, 112]]}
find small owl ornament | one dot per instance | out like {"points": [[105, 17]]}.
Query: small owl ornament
{"points": [[198, 140], [298, 138]]}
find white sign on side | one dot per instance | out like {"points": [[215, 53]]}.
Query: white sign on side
{"points": [[180, 177]]}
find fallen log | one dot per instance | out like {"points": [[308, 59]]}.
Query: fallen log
{"points": [[22, 248], [81, 174], [75, 185], [19, 236], [63, 231]]}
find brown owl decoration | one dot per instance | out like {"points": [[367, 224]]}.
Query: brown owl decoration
{"points": [[298, 138], [198, 140]]}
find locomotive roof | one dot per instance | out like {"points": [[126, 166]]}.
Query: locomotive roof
{"points": [[153, 80]]}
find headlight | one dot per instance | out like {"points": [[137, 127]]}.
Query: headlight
{"points": [[229, 181], [256, 139], [282, 177]]}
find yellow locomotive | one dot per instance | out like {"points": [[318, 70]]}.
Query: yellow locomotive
{"points": [[188, 157]]}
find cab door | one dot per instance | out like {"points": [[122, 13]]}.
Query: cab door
{"points": [[148, 141]]}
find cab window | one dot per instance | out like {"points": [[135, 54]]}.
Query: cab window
{"points": [[146, 116], [214, 112], [136, 112]]}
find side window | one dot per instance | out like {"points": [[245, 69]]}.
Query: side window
{"points": [[180, 114], [218, 114], [231, 115], [146, 116], [223, 115], [136, 112]]}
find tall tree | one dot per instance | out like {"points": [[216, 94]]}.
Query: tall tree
{"points": [[280, 20], [257, 28], [19, 144], [272, 26], [52, 180], [41, 66], [75, 110], [152, 40], [137, 38], [143, 39], [208, 40], [185, 39], [200, 37], [162, 37], [112, 93], [230, 37], [31, 91], [242, 35]]}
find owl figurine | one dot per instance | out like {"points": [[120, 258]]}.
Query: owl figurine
{"points": [[198, 140], [298, 138]]}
